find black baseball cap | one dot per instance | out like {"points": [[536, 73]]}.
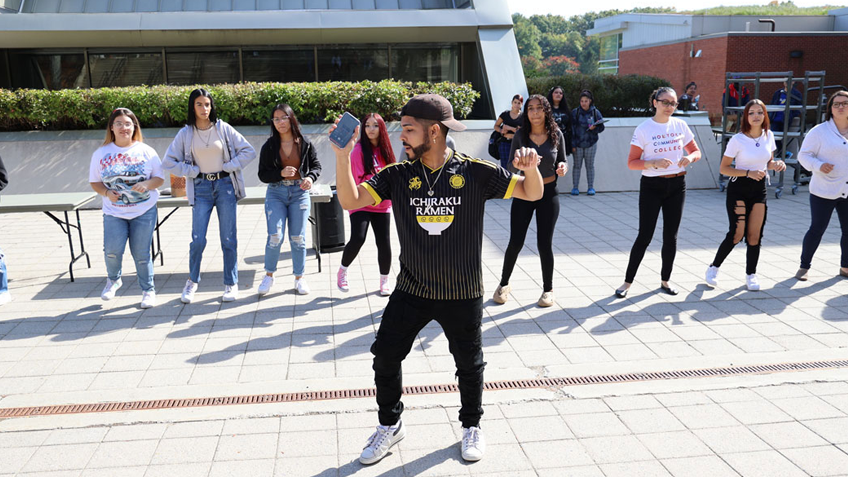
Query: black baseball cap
{"points": [[433, 107]]}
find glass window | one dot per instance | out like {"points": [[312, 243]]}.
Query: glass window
{"points": [[364, 62], [206, 67], [50, 71], [432, 64], [609, 47], [125, 69], [284, 66]]}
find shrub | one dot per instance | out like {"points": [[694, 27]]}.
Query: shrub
{"points": [[238, 104], [615, 96]]}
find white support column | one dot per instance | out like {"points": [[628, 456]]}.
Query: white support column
{"points": [[502, 66]]}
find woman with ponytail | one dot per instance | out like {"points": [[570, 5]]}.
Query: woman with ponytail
{"points": [[662, 147]]}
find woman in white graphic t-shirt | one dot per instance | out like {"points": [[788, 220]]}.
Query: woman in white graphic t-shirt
{"points": [[753, 150], [126, 172], [661, 148]]}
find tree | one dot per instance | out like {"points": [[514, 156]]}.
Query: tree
{"points": [[561, 65], [527, 36], [544, 37]]}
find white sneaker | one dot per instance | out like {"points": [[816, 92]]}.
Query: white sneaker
{"points": [[752, 282], [265, 286], [473, 444], [5, 297], [711, 277], [380, 442], [341, 280], [148, 299], [230, 293], [385, 289], [188, 291], [109, 290], [547, 299], [501, 294], [301, 286]]}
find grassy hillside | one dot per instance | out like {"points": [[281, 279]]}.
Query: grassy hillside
{"points": [[784, 8]]}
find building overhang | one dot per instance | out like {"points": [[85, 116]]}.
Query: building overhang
{"points": [[53, 30]]}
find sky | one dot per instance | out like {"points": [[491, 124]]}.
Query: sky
{"points": [[567, 9]]}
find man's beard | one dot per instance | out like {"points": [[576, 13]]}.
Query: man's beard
{"points": [[418, 152]]}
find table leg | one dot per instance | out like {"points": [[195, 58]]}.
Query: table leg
{"points": [[66, 227], [156, 243], [82, 243], [318, 231]]}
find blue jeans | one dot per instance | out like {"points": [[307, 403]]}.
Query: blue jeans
{"points": [[4, 281], [286, 202], [139, 232], [221, 195]]}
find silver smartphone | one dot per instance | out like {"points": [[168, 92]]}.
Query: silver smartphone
{"points": [[344, 130]]}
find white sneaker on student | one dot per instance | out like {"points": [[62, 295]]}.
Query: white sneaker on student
{"points": [[380, 442], [230, 293], [300, 286], [5, 297], [265, 286], [385, 289], [109, 290], [188, 291], [148, 299], [501, 294], [473, 444], [752, 282], [711, 277]]}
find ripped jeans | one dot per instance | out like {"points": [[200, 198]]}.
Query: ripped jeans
{"points": [[139, 232], [284, 202], [221, 196]]}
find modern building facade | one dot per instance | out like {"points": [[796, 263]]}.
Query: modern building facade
{"points": [[700, 48], [58, 44]]}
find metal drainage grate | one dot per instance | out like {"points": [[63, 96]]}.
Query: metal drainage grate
{"points": [[410, 390]]}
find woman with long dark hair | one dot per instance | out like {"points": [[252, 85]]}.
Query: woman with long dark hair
{"points": [[562, 115], [212, 155], [587, 123], [127, 173], [507, 124], [753, 150], [824, 152], [662, 147], [289, 165], [540, 132], [371, 154]]}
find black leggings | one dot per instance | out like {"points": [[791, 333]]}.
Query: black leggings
{"points": [[821, 211], [380, 222], [745, 222], [655, 194], [547, 213]]}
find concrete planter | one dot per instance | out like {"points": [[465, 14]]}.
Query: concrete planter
{"points": [[58, 161]]}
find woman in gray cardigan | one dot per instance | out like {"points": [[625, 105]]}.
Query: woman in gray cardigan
{"points": [[211, 155]]}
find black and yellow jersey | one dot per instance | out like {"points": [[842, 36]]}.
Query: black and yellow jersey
{"points": [[440, 222]]}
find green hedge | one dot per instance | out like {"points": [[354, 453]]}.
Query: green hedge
{"points": [[238, 104], [615, 96]]}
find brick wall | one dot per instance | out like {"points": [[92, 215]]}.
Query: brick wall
{"points": [[755, 53], [738, 53], [672, 62]]}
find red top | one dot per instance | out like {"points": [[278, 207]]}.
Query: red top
{"points": [[360, 176]]}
